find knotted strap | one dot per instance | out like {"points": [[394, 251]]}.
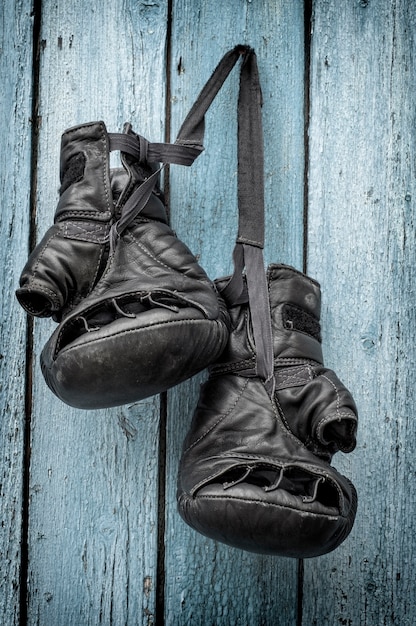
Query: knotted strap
{"points": [[248, 251], [144, 151], [187, 147]]}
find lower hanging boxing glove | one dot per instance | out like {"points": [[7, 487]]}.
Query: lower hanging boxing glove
{"points": [[66, 264], [255, 470], [153, 319]]}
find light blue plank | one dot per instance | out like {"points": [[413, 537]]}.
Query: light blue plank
{"points": [[362, 249], [93, 479], [206, 582], [15, 111]]}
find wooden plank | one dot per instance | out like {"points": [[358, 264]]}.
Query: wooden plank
{"points": [[93, 478], [206, 582], [362, 248], [16, 26]]}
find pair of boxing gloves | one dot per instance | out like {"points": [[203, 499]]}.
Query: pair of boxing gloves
{"points": [[137, 315], [145, 317]]}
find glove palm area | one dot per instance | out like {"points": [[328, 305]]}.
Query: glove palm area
{"points": [[255, 470], [152, 320]]}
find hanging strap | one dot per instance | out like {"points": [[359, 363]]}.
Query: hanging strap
{"points": [[248, 251], [144, 151], [189, 142], [187, 147]]}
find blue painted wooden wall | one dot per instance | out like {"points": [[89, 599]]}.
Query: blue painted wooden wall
{"points": [[89, 532]]}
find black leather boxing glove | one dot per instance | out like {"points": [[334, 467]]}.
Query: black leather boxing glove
{"points": [[149, 317], [153, 319], [255, 471], [66, 264], [312, 401]]}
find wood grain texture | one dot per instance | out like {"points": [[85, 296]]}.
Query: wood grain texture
{"points": [[15, 111], [206, 582], [362, 248], [93, 510], [93, 476]]}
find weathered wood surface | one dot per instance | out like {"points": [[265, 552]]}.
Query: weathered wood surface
{"points": [[93, 477], [361, 245], [94, 512], [15, 147]]}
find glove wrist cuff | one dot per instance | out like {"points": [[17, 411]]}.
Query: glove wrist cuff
{"points": [[85, 190]]}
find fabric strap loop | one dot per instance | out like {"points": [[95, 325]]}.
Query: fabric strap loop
{"points": [[193, 127], [248, 251], [187, 147], [144, 151]]}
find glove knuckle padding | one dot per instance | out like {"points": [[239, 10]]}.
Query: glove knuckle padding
{"points": [[65, 265], [255, 470]]}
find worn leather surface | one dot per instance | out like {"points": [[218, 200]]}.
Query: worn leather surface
{"points": [[153, 320], [133, 320], [54, 278], [255, 470]]}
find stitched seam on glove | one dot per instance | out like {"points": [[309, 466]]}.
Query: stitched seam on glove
{"points": [[293, 376], [230, 368], [222, 418], [274, 504], [34, 285], [338, 407], [97, 268], [102, 216], [42, 251], [147, 251], [83, 234], [89, 240], [333, 385], [287, 361], [130, 240], [132, 330], [337, 417], [280, 416]]}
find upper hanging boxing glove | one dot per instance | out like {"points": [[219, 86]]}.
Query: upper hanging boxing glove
{"points": [[69, 260], [66, 264], [255, 470], [154, 318]]}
